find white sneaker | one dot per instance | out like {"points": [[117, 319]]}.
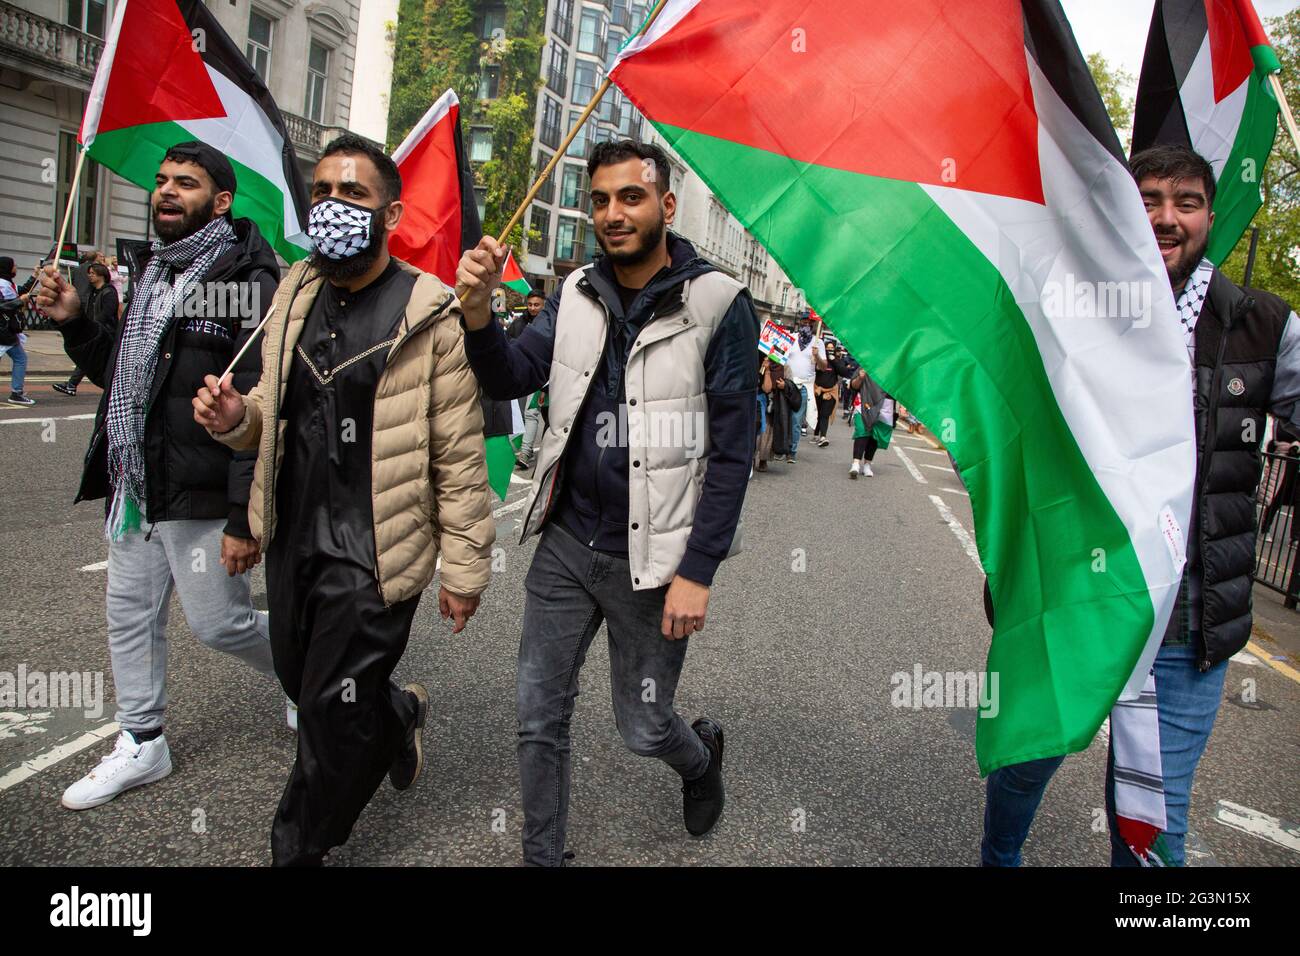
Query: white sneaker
{"points": [[291, 714], [129, 765], [853, 469], [866, 469]]}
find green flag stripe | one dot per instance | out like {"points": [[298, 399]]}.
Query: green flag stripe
{"points": [[915, 300], [135, 153], [1237, 198]]}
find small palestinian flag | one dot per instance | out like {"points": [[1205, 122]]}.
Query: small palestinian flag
{"points": [[169, 73], [941, 178], [513, 276], [1205, 84], [439, 222]]}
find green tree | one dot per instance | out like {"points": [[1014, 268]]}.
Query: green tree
{"points": [[1278, 220], [440, 44], [1111, 83]]}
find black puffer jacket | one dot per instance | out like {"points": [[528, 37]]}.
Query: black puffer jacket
{"points": [[188, 476], [1238, 336]]}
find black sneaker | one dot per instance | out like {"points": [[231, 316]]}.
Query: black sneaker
{"points": [[523, 464], [411, 757], [65, 388], [18, 398], [793, 459], [702, 799]]}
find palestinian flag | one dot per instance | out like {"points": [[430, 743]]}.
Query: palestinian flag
{"points": [[439, 222], [513, 276], [1205, 84], [948, 191], [168, 74]]}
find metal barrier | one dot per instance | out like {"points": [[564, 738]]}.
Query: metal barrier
{"points": [[1278, 540]]}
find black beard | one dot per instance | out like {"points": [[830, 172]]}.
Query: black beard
{"points": [[1179, 275], [633, 257], [345, 270], [188, 225]]}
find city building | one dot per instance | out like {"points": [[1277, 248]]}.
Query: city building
{"points": [[582, 37], [306, 51]]}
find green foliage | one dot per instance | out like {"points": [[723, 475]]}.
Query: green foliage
{"points": [[1278, 219], [438, 46], [1111, 83]]}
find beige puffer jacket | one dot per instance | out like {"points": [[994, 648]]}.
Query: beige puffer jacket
{"points": [[428, 465]]}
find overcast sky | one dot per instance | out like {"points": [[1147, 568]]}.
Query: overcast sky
{"points": [[1118, 28]]}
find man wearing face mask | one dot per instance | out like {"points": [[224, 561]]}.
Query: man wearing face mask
{"points": [[1243, 347], [370, 466]]}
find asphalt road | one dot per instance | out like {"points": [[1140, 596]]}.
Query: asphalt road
{"points": [[842, 584]]}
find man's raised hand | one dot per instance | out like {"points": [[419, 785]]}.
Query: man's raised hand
{"points": [[218, 406], [477, 277], [55, 296]]}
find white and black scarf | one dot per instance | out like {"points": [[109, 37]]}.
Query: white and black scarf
{"points": [[172, 270]]}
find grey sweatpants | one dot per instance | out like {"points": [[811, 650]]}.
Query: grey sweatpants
{"points": [[218, 608]]}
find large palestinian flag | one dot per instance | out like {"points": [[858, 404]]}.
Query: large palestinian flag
{"points": [[439, 222], [168, 74], [941, 178], [1205, 85]]}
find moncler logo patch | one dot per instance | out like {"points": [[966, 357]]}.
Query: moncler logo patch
{"points": [[1236, 386]]}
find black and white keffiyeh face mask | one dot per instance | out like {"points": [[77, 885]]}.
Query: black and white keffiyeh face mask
{"points": [[340, 229]]}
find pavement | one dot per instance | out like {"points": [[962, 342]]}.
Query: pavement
{"points": [[841, 585]]}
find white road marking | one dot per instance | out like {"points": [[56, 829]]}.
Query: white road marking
{"points": [[29, 768], [1241, 657], [518, 479], [48, 418], [958, 491], [97, 566], [1261, 825], [943, 468], [916, 472], [933, 451], [13, 723], [967, 542]]}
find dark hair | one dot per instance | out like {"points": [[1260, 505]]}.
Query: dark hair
{"points": [[99, 269], [1173, 162], [7, 267], [350, 144], [609, 153], [534, 294]]}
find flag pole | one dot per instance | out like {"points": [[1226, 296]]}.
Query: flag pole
{"points": [[67, 212], [251, 339], [559, 153], [1286, 109]]}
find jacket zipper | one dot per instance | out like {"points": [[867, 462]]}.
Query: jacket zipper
{"points": [[411, 333], [1211, 435]]}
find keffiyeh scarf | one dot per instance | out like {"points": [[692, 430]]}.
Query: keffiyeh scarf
{"points": [[172, 270]]}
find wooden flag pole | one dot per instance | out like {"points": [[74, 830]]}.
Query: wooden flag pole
{"points": [[559, 153], [1276, 80], [251, 339], [67, 212]]}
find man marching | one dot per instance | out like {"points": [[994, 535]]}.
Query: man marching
{"points": [[639, 481], [370, 466]]}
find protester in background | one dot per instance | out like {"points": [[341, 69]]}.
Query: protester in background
{"points": [[785, 399], [12, 303], [825, 389], [81, 273], [101, 307], [801, 368], [763, 438], [176, 501], [530, 405]]}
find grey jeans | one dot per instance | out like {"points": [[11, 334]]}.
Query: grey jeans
{"points": [[571, 589], [532, 430], [218, 608]]}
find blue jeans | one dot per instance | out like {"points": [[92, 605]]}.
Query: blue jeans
{"points": [[570, 589], [19, 358], [797, 419], [1187, 702]]}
